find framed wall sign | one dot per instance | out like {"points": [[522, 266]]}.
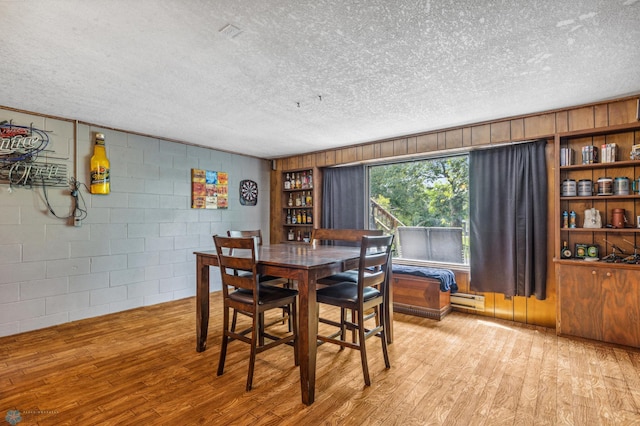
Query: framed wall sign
{"points": [[209, 189]]}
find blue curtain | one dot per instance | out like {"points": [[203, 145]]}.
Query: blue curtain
{"points": [[508, 220], [343, 198]]}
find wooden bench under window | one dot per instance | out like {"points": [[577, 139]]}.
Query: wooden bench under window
{"points": [[422, 291]]}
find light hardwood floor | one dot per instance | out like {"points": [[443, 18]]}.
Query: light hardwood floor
{"points": [[140, 367]]}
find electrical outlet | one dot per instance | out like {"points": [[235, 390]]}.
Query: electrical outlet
{"points": [[77, 222]]}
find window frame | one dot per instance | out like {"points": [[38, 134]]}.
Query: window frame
{"points": [[368, 210]]}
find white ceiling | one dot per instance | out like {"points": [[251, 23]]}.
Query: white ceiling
{"points": [[306, 75]]}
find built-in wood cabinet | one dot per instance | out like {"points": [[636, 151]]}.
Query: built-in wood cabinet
{"points": [[597, 278], [599, 301]]}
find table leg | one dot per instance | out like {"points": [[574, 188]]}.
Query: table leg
{"points": [[202, 303], [307, 335]]}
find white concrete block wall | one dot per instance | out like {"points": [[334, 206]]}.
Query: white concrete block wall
{"points": [[135, 247]]}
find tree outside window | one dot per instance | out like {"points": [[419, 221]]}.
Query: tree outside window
{"points": [[413, 199]]}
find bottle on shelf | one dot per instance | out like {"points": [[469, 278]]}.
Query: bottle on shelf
{"points": [[310, 179], [303, 199], [290, 201], [565, 219], [565, 252], [288, 216], [287, 182], [100, 167], [298, 181], [309, 218], [299, 217], [294, 218], [298, 200], [290, 235], [304, 217], [309, 199]]}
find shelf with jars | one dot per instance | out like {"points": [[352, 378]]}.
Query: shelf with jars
{"points": [[597, 238], [300, 199], [599, 193]]}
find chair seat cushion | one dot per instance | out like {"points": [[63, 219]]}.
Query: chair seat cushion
{"points": [[267, 294], [261, 278], [346, 276], [337, 294], [350, 276]]}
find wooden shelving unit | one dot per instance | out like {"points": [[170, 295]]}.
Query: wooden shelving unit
{"points": [[599, 299]]}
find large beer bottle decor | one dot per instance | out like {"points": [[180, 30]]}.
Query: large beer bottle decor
{"points": [[100, 170]]}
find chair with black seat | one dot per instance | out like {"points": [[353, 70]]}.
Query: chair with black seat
{"points": [[257, 234], [263, 279], [348, 237], [243, 293], [368, 293]]}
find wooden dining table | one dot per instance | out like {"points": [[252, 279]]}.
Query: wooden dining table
{"points": [[304, 263]]}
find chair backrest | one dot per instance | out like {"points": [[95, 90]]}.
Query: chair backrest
{"points": [[375, 252], [352, 236], [257, 233], [230, 263]]}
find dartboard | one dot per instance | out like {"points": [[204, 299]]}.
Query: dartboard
{"points": [[248, 193]]}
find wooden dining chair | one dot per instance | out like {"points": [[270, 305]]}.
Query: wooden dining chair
{"points": [[351, 237], [367, 294], [263, 279], [243, 293], [257, 234]]}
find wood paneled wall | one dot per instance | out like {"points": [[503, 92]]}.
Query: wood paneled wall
{"points": [[520, 128]]}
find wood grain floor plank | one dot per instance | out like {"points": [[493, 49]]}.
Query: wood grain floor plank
{"points": [[141, 367]]}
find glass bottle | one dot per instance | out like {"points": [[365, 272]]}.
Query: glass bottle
{"points": [[290, 201], [100, 167], [287, 182]]}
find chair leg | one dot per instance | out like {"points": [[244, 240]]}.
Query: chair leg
{"points": [[343, 325], [225, 340], [255, 336], [353, 332], [383, 336], [260, 329], [234, 320], [363, 348]]}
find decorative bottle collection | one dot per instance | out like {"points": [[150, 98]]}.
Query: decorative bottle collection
{"points": [[299, 180], [298, 204]]}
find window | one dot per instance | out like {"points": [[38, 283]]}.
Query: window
{"points": [[426, 204]]}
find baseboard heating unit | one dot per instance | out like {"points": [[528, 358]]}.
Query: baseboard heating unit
{"points": [[475, 302]]}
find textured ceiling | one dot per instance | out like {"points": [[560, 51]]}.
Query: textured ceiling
{"points": [[306, 75]]}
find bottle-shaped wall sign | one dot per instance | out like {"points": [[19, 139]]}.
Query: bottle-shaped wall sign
{"points": [[100, 167]]}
